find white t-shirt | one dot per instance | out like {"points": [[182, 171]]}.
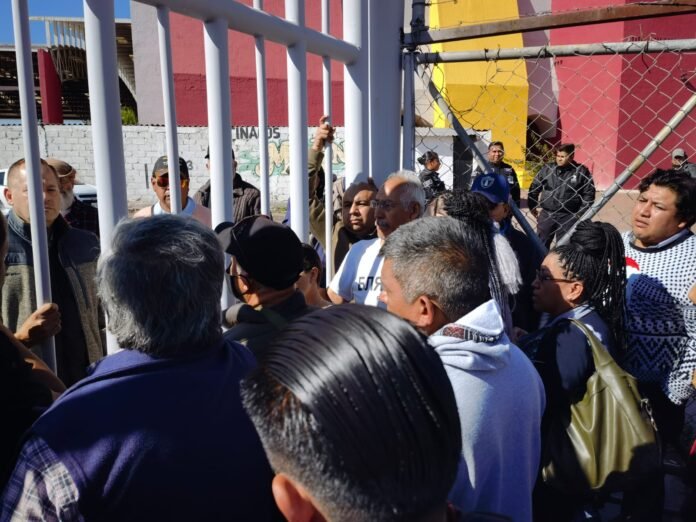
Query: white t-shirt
{"points": [[359, 277]]}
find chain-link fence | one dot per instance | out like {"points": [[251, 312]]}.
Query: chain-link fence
{"points": [[625, 107]]}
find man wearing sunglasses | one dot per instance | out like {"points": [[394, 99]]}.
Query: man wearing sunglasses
{"points": [[160, 185]]}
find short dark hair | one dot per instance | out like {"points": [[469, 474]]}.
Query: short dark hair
{"points": [[683, 186], [429, 155], [351, 402], [568, 148], [496, 143], [310, 258], [443, 258]]}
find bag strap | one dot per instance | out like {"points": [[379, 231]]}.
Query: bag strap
{"points": [[600, 354]]}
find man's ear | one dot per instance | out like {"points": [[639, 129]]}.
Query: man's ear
{"points": [[293, 501], [427, 314], [8, 196], [314, 275], [414, 210]]}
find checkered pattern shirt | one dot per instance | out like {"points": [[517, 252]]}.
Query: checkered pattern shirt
{"points": [[40, 488]]}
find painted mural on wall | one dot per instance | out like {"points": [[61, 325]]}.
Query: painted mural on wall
{"points": [[246, 143]]}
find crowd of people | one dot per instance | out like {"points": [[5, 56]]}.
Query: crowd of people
{"points": [[422, 382]]}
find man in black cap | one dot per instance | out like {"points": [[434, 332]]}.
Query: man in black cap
{"points": [[246, 197], [266, 263], [160, 185]]}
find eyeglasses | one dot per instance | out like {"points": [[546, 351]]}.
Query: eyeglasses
{"points": [[542, 277], [385, 204], [163, 181]]}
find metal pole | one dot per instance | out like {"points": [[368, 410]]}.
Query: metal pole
{"points": [[558, 51], [409, 120], [464, 136], [246, 19], [297, 119], [169, 101], [356, 92], [32, 158], [328, 155], [104, 105], [219, 132], [263, 118], [105, 113], [385, 25], [629, 171]]}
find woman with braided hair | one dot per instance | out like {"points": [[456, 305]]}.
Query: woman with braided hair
{"points": [[584, 280]]}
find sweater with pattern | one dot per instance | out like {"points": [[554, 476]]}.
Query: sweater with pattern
{"points": [[661, 319]]}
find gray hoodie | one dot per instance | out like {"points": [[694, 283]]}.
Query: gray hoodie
{"points": [[500, 398]]}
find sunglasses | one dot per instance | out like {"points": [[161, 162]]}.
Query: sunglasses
{"points": [[163, 181]]}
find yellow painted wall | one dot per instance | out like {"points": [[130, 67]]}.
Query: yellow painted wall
{"points": [[485, 95]]}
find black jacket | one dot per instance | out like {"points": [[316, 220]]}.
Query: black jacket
{"points": [[568, 189], [432, 184]]}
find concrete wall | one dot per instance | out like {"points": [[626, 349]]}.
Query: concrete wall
{"points": [[144, 144]]}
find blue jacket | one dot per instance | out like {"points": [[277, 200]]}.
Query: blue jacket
{"points": [[148, 438]]}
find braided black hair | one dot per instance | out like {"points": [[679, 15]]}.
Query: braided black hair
{"points": [[595, 255]]}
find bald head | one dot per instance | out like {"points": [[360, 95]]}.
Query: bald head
{"points": [[17, 196]]}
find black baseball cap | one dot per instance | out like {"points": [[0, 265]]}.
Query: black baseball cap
{"points": [[269, 252], [162, 167]]}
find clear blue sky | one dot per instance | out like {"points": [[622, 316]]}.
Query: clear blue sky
{"points": [[68, 8]]}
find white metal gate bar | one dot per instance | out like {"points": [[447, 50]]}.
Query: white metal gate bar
{"points": [[219, 133], [169, 101], [263, 119], [356, 92], [297, 123], [32, 158], [107, 137], [328, 153], [385, 21], [557, 51], [245, 19]]}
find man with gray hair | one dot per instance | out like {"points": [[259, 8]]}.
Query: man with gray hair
{"points": [[436, 276], [400, 199], [157, 431]]}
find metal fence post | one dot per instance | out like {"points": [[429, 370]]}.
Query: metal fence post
{"points": [[105, 111], [219, 131], [263, 118], [297, 120], [169, 101], [32, 158], [409, 126], [328, 154], [356, 92]]}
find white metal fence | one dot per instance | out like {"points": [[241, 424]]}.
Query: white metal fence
{"points": [[370, 45]]}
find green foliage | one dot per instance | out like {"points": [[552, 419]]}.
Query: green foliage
{"points": [[128, 116]]}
